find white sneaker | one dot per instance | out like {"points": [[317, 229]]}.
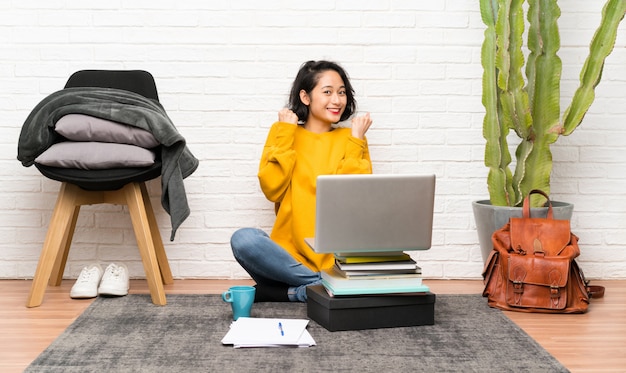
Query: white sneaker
{"points": [[114, 281], [86, 285]]}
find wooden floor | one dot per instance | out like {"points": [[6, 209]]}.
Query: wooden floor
{"points": [[592, 342]]}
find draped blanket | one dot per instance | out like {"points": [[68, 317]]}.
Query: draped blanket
{"points": [[121, 106]]}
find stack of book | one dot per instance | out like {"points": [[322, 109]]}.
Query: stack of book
{"points": [[373, 273]]}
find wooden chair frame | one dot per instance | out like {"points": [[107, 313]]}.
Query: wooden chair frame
{"points": [[61, 230]]}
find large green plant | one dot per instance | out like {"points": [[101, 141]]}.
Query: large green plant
{"points": [[531, 107]]}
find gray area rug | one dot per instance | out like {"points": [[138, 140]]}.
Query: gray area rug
{"points": [[130, 334]]}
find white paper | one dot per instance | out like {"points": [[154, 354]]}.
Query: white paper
{"points": [[266, 332], [306, 340]]}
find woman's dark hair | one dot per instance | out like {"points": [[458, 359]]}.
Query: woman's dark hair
{"points": [[307, 79]]}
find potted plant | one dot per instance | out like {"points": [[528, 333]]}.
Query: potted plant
{"points": [[529, 103]]}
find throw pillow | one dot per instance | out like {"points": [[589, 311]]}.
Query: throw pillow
{"points": [[80, 127], [95, 155]]}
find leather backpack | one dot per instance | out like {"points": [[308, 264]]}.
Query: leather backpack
{"points": [[532, 266]]}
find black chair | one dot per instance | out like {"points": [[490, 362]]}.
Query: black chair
{"points": [[123, 186]]}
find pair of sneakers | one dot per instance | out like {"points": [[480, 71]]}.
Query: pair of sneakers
{"points": [[92, 281]]}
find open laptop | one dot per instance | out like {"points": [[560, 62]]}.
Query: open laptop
{"points": [[373, 213]]}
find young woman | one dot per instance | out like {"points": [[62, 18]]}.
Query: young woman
{"points": [[300, 146]]}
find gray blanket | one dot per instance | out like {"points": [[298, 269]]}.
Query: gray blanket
{"points": [[124, 107]]}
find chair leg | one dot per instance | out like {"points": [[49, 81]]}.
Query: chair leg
{"points": [[164, 264], [52, 248], [59, 265], [141, 226]]}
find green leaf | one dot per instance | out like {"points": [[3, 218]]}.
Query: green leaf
{"points": [[600, 47], [497, 156], [544, 76]]}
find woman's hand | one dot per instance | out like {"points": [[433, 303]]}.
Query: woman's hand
{"points": [[360, 125], [287, 116]]}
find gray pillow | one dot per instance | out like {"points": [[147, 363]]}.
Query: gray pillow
{"points": [[80, 127], [95, 155]]}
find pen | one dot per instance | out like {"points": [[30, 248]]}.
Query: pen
{"points": [[280, 327]]}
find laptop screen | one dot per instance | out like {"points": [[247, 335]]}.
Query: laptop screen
{"points": [[373, 213]]}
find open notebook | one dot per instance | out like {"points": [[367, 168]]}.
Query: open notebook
{"points": [[267, 332]]}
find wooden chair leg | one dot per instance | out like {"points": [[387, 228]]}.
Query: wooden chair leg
{"points": [[61, 230], [59, 265], [141, 226], [164, 265], [59, 226]]}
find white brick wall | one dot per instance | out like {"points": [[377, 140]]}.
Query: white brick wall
{"points": [[223, 69]]}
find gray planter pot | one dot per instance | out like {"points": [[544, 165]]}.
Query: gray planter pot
{"points": [[491, 218]]}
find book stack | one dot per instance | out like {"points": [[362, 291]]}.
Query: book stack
{"points": [[373, 273]]}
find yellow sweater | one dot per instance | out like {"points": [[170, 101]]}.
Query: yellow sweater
{"points": [[292, 159]]}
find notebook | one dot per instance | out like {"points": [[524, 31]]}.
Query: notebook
{"points": [[336, 284], [373, 213], [267, 332]]}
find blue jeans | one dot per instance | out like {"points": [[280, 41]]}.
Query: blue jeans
{"points": [[268, 263]]}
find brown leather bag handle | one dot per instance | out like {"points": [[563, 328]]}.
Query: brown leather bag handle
{"points": [[526, 206], [595, 291]]}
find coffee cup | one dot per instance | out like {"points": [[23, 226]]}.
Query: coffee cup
{"points": [[240, 299]]}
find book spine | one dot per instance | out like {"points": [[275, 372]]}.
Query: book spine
{"points": [[338, 280]]}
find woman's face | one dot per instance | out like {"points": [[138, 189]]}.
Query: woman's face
{"points": [[327, 100]]}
